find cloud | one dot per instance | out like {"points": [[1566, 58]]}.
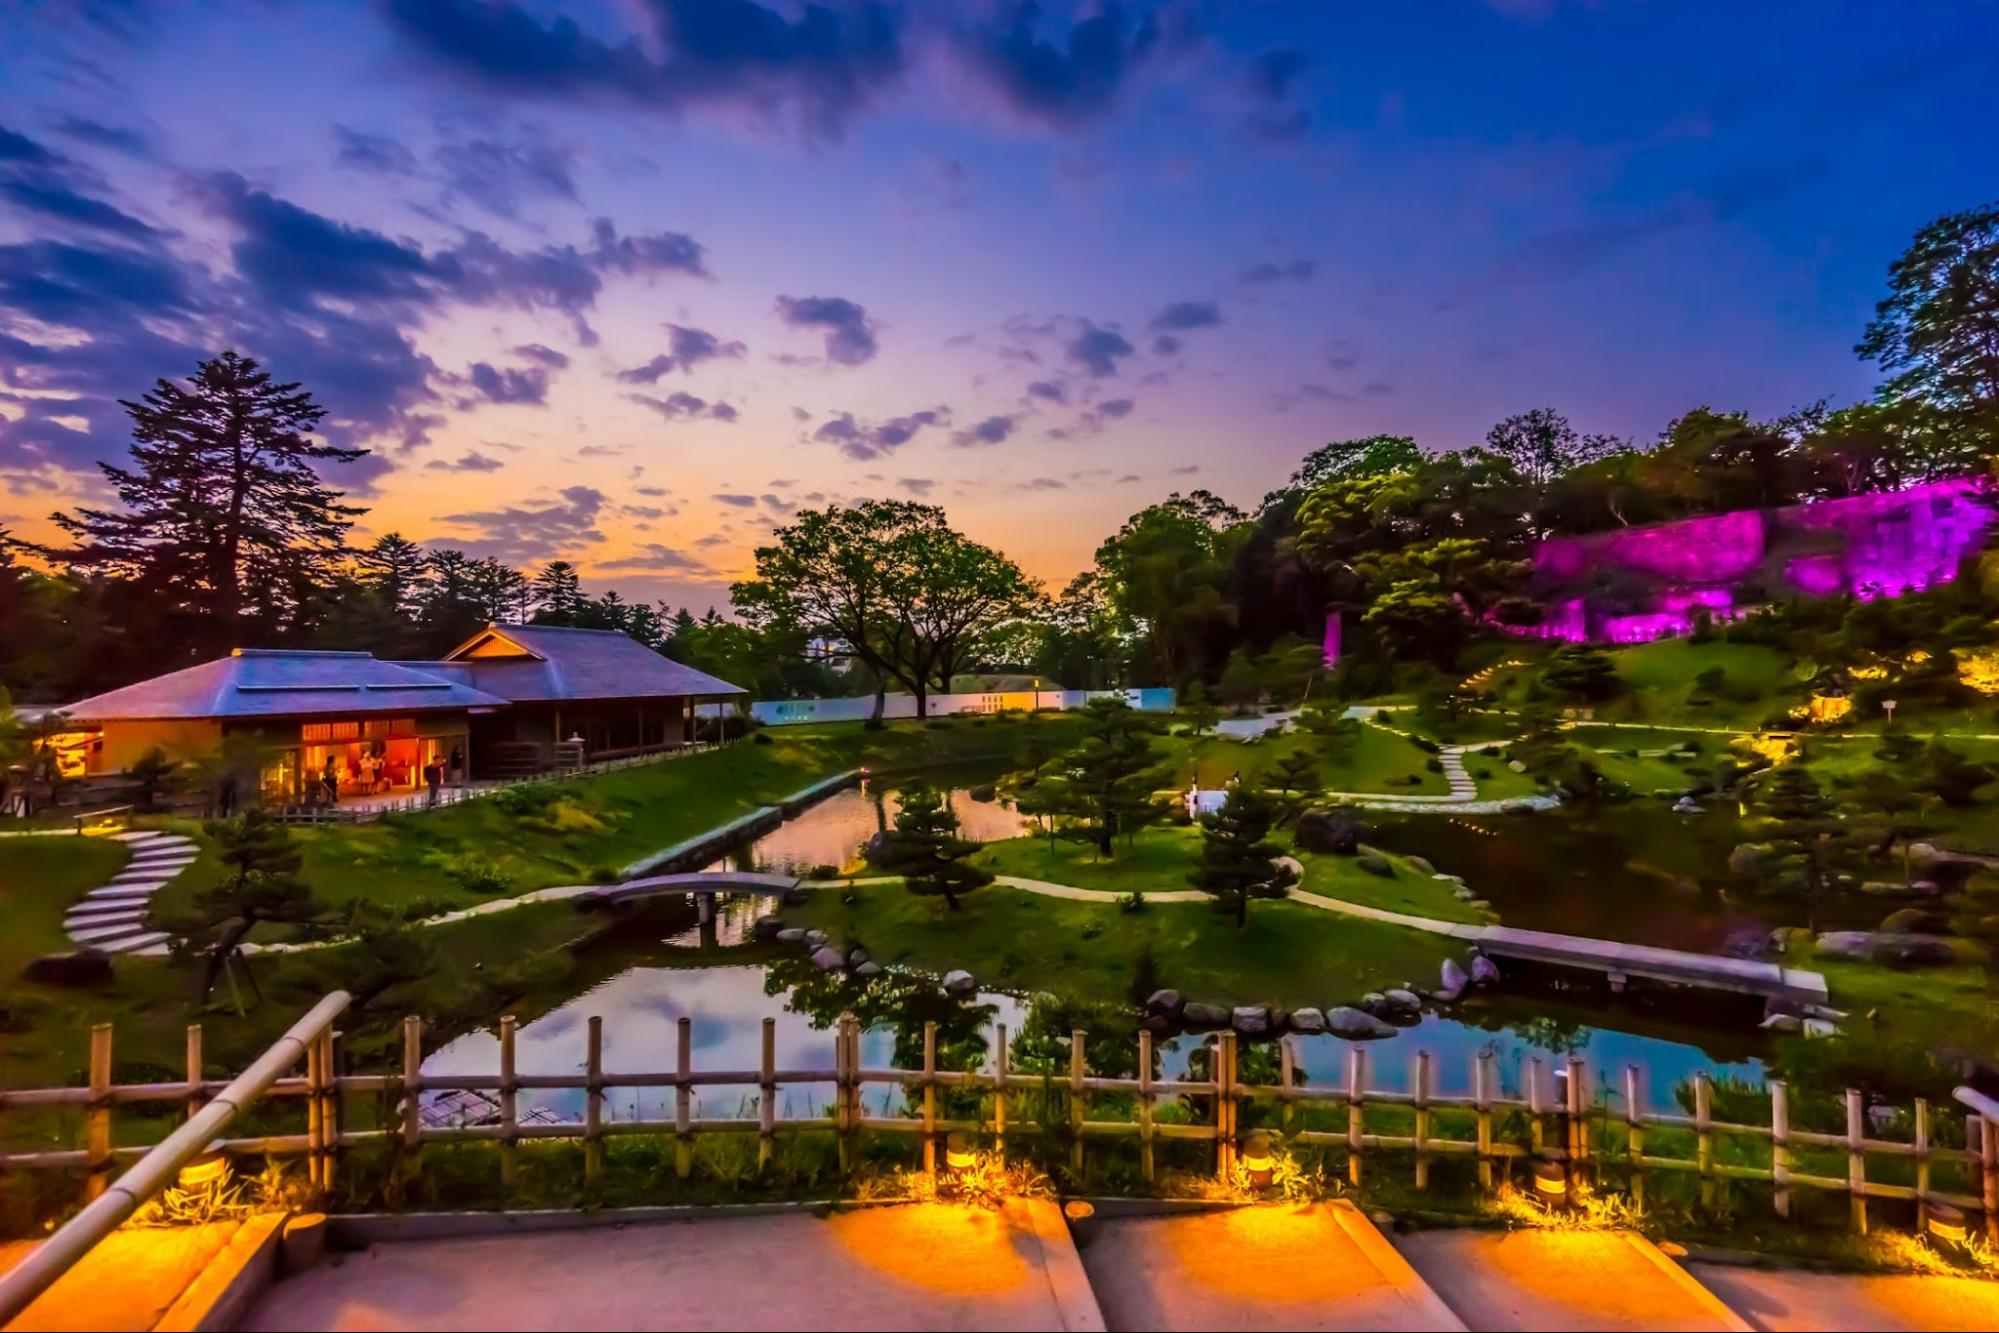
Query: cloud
{"points": [[813, 73], [1115, 407], [921, 486], [657, 558], [119, 139], [686, 348], [510, 384], [1052, 391], [850, 335], [1166, 345], [498, 175], [993, 430], [1265, 272], [1183, 315], [736, 501], [382, 154], [863, 440], [681, 406], [470, 461], [544, 354], [1098, 350], [1064, 79], [1273, 80], [535, 531]]}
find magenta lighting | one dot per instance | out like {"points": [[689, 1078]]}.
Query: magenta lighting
{"points": [[1880, 545]]}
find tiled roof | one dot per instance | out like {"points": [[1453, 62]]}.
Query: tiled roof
{"points": [[559, 663], [255, 682]]}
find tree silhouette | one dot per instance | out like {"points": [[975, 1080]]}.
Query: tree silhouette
{"points": [[1238, 860]]}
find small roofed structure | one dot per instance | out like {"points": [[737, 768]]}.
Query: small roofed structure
{"points": [[512, 699], [598, 689]]}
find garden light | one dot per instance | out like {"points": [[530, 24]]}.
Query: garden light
{"points": [[1946, 1223], [1079, 1210], [206, 1172], [1257, 1161], [959, 1154], [1551, 1183]]}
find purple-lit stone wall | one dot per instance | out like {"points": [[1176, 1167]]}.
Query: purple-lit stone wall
{"points": [[1867, 545]]}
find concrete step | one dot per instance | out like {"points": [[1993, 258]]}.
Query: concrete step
{"points": [[141, 889], [1321, 1266], [103, 937], [1792, 1298], [134, 943], [1562, 1279]]}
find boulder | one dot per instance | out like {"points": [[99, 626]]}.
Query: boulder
{"points": [[1197, 1015], [1373, 1003], [1516, 766], [868, 970], [1749, 858], [875, 848], [766, 928], [1308, 1022], [1484, 972], [1928, 888], [1885, 888], [792, 934], [857, 956], [1782, 1023], [1374, 863], [1464, 893], [1421, 865], [985, 791], [815, 938], [959, 982], [827, 959], [1401, 1002], [1922, 853], [1250, 1020], [1911, 921], [1336, 831], [1165, 1003], [1898, 949], [1479, 903], [1355, 1024], [83, 967], [1451, 980], [1785, 939]]}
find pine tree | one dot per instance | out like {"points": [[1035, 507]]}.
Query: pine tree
{"points": [[222, 509], [1802, 830], [558, 594], [1108, 780], [1238, 860], [1297, 771], [925, 850], [396, 570], [261, 862]]}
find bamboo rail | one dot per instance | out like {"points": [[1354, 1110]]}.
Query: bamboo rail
{"points": [[1564, 1122]]}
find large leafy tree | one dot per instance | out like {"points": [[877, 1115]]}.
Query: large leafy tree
{"points": [[888, 583], [1937, 330], [1239, 860], [222, 512], [1373, 455], [925, 849], [1542, 445], [1167, 573]]}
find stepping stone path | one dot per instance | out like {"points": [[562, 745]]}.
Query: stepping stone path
{"points": [[112, 919]]}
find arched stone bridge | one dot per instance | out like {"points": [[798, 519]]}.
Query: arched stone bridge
{"points": [[704, 882]]}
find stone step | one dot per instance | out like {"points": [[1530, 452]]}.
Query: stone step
{"points": [[181, 855], [100, 914], [138, 835], [152, 939], [140, 889], [100, 937], [152, 870]]}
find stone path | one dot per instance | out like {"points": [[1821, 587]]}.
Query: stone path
{"points": [[112, 918]]}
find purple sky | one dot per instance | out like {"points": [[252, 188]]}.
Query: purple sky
{"points": [[627, 282]]}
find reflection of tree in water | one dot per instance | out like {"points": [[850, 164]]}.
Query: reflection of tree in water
{"points": [[1110, 1038], [895, 1000], [1261, 1063], [1556, 1035]]}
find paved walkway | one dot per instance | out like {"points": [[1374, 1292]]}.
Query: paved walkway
{"points": [[1318, 1267], [1562, 1280], [112, 917], [1791, 1298], [915, 1266]]}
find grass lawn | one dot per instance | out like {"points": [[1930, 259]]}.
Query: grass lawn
{"points": [[1009, 939], [1378, 756], [591, 826], [40, 879], [1410, 889]]}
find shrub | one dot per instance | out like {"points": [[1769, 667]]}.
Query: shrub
{"points": [[527, 798], [1434, 765], [478, 875], [603, 874], [761, 738], [1131, 902], [824, 870]]}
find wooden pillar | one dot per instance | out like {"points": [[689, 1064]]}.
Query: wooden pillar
{"points": [[1356, 1108], [593, 1098], [1481, 1094], [412, 1081], [1704, 1135], [1145, 1163], [767, 1097], [1420, 1085], [1634, 1128], [1076, 1072], [1780, 1147], [509, 1109], [97, 1119], [683, 1100], [999, 1091], [195, 1093], [1856, 1160], [929, 1099]]}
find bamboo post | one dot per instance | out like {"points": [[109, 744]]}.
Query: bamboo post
{"points": [[1481, 1097], [1704, 1135], [1356, 1114], [593, 1098], [1922, 1146], [1535, 1130], [1225, 1105], [999, 1090], [683, 1099], [1634, 1132], [315, 1114], [1578, 1096], [1076, 1070], [509, 1109], [1420, 1087], [843, 1085], [1145, 1164], [336, 1066], [1780, 1147], [1856, 1160], [930, 1100], [97, 1120], [767, 1095], [194, 1093], [1286, 1073], [412, 1080], [1988, 1188]]}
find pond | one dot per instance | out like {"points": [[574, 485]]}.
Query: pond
{"points": [[664, 964]]}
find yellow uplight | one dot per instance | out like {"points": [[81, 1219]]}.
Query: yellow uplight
{"points": [[1980, 670]]}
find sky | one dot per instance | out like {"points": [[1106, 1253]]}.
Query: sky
{"points": [[630, 282]]}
